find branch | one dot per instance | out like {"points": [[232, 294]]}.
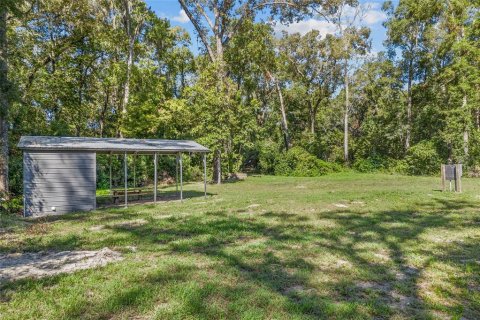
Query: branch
{"points": [[204, 14], [245, 11], [289, 4], [200, 32]]}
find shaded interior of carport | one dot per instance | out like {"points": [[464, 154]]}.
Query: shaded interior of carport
{"points": [[45, 157]]}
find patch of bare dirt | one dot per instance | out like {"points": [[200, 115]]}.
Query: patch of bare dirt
{"points": [[131, 223], [360, 203], [97, 227], [299, 289], [47, 263]]}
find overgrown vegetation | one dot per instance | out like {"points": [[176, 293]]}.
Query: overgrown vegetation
{"points": [[340, 246]]}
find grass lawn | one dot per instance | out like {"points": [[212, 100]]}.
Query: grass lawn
{"points": [[343, 246]]}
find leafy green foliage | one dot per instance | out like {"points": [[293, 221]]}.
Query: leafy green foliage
{"points": [[423, 158], [298, 162], [370, 164], [268, 156]]}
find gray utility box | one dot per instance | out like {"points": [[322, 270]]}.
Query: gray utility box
{"points": [[58, 182]]}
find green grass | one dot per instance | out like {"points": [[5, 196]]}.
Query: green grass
{"points": [[343, 246]]}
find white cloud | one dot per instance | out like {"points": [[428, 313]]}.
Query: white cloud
{"points": [[182, 17], [373, 13], [374, 16], [370, 12], [306, 26]]}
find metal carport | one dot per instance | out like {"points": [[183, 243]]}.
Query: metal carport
{"points": [[56, 167]]}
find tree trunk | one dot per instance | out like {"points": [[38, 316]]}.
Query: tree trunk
{"points": [[345, 118], [217, 167], [106, 103], [465, 129], [312, 115], [131, 35], [477, 118], [126, 92], [409, 106], [284, 122], [4, 103]]}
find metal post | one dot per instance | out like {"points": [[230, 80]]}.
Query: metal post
{"points": [[205, 174], [135, 170], [155, 179], [181, 176], [126, 181], [176, 173], [111, 173]]}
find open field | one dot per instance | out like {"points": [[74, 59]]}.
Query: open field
{"points": [[343, 246]]}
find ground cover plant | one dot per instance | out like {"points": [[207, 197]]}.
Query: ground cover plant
{"points": [[340, 246]]}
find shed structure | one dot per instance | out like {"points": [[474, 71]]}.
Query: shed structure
{"points": [[59, 173]]}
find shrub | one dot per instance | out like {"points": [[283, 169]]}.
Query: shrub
{"points": [[298, 162], [268, 156], [423, 159], [12, 206], [398, 166], [370, 164]]}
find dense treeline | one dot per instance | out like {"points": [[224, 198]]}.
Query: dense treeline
{"points": [[278, 104]]}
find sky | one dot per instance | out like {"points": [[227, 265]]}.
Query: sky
{"points": [[373, 17]]}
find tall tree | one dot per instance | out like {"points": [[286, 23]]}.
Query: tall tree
{"points": [[4, 99], [313, 66], [407, 28], [222, 20], [353, 41], [7, 7], [133, 18]]}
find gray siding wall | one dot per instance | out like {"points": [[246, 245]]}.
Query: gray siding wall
{"points": [[57, 183]]}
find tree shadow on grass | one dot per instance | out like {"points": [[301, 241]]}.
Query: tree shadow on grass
{"points": [[105, 202], [377, 283], [288, 260]]}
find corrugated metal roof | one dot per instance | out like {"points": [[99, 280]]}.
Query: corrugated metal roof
{"points": [[108, 144]]}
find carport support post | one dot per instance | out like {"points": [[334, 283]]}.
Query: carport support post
{"points": [[110, 172], [155, 179], [176, 173], [205, 174], [135, 170], [181, 175], [126, 181]]}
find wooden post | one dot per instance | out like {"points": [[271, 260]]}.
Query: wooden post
{"points": [[155, 178], [442, 171], [458, 177], [205, 174]]}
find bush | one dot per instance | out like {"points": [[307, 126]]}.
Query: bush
{"points": [[12, 206], [268, 156], [299, 163], [423, 159], [370, 164], [398, 166]]}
